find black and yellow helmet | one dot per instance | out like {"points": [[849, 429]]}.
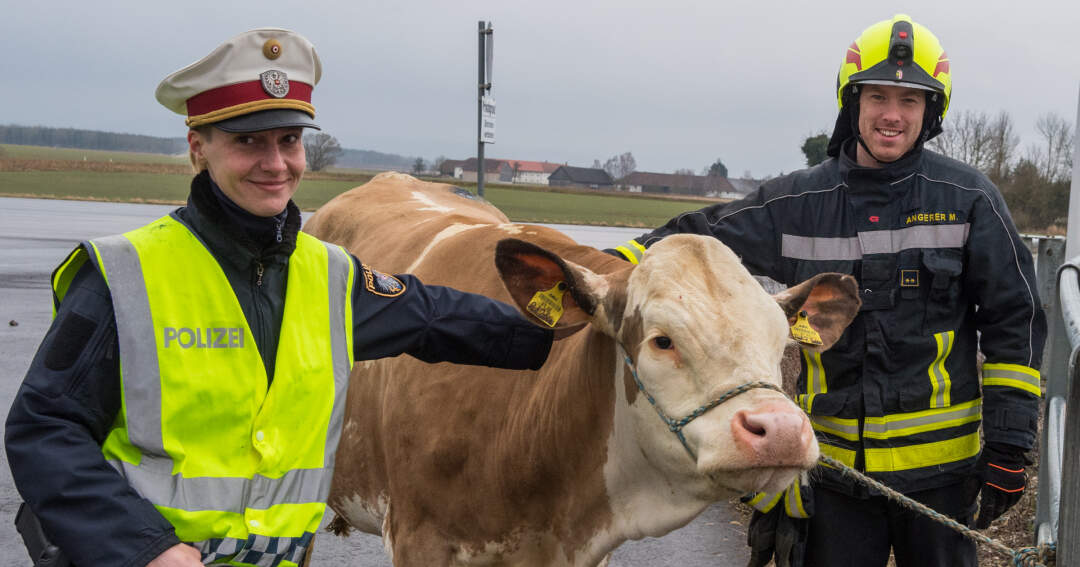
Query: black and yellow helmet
{"points": [[896, 52]]}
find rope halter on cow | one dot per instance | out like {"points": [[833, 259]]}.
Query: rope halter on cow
{"points": [[676, 425]]}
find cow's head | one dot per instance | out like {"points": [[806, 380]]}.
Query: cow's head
{"points": [[694, 325]]}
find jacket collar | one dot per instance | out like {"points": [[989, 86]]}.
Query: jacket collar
{"points": [[856, 175], [228, 234]]}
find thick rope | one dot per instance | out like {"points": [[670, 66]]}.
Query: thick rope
{"points": [[1042, 556]]}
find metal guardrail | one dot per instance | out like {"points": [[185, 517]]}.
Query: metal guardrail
{"points": [[1057, 519]]}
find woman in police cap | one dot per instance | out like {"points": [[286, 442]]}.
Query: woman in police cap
{"points": [[186, 404]]}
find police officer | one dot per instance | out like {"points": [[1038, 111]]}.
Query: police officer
{"points": [[939, 262], [185, 405]]}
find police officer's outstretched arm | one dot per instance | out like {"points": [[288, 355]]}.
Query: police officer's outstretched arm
{"points": [[57, 423], [1013, 329], [746, 226], [399, 314]]}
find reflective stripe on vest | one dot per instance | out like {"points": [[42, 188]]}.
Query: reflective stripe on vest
{"points": [[632, 251], [236, 468], [873, 242], [940, 383], [1012, 376], [815, 380]]}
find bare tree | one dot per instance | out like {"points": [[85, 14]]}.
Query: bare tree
{"points": [[437, 164], [1055, 159], [418, 166], [967, 139], [620, 166], [322, 150], [1003, 142]]}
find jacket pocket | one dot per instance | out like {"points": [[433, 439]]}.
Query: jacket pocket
{"points": [[944, 267]]}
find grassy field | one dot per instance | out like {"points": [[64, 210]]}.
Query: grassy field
{"points": [[38, 152], [148, 178]]}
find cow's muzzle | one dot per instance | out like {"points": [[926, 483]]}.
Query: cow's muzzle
{"points": [[676, 425]]}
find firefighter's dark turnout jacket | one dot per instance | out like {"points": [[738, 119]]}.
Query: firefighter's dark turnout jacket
{"points": [[939, 263]]}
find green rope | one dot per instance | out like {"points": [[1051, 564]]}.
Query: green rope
{"points": [[1042, 556]]}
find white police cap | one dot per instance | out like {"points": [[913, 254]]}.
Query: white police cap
{"points": [[258, 80]]}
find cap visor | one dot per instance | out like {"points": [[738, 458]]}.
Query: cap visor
{"points": [[267, 120]]}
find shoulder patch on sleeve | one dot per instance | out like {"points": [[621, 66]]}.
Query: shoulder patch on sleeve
{"points": [[381, 284]]}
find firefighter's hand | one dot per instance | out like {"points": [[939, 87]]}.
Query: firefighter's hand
{"points": [[179, 555], [775, 536], [1001, 469]]}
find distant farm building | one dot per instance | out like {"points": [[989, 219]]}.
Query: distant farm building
{"points": [[495, 170], [570, 176], [678, 184], [531, 172], [452, 168]]}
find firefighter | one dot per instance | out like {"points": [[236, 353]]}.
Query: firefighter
{"points": [[939, 264], [185, 405]]}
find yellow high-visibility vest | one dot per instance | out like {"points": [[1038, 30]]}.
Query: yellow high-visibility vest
{"points": [[242, 471]]}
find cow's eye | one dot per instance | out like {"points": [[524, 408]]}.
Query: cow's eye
{"points": [[662, 343]]}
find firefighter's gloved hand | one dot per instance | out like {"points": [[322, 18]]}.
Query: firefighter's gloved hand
{"points": [[773, 533], [1001, 469]]}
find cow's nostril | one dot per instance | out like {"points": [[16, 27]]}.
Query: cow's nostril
{"points": [[750, 426]]}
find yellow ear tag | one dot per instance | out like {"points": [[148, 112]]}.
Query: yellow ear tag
{"points": [[802, 331], [546, 305]]}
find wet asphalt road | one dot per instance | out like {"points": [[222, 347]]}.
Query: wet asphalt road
{"points": [[35, 235]]}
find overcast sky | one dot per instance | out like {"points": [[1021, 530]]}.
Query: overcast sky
{"points": [[677, 83]]}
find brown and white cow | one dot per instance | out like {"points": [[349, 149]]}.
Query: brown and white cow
{"points": [[463, 465]]}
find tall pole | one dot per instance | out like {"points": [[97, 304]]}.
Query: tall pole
{"points": [[480, 90], [1068, 554], [1072, 237]]}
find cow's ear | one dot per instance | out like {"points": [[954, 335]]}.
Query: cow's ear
{"points": [[552, 292], [830, 302]]}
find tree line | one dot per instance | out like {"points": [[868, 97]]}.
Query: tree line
{"points": [[1034, 180], [89, 140]]}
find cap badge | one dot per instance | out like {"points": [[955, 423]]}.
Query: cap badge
{"points": [[272, 49], [899, 74], [275, 83]]}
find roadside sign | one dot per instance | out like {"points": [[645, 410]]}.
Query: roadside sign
{"points": [[487, 120]]}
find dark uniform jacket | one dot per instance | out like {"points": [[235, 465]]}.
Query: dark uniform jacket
{"points": [[938, 262], [71, 395]]}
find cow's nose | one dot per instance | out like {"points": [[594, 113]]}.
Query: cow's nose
{"points": [[774, 434]]}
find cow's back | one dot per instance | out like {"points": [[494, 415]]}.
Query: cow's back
{"points": [[438, 232], [388, 221]]}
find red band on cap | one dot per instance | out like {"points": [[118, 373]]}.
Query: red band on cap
{"points": [[241, 93]]}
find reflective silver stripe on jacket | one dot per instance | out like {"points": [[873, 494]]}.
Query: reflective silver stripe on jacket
{"points": [[138, 349], [339, 266], [226, 494], [874, 242], [142, 396], [256, 549]]}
